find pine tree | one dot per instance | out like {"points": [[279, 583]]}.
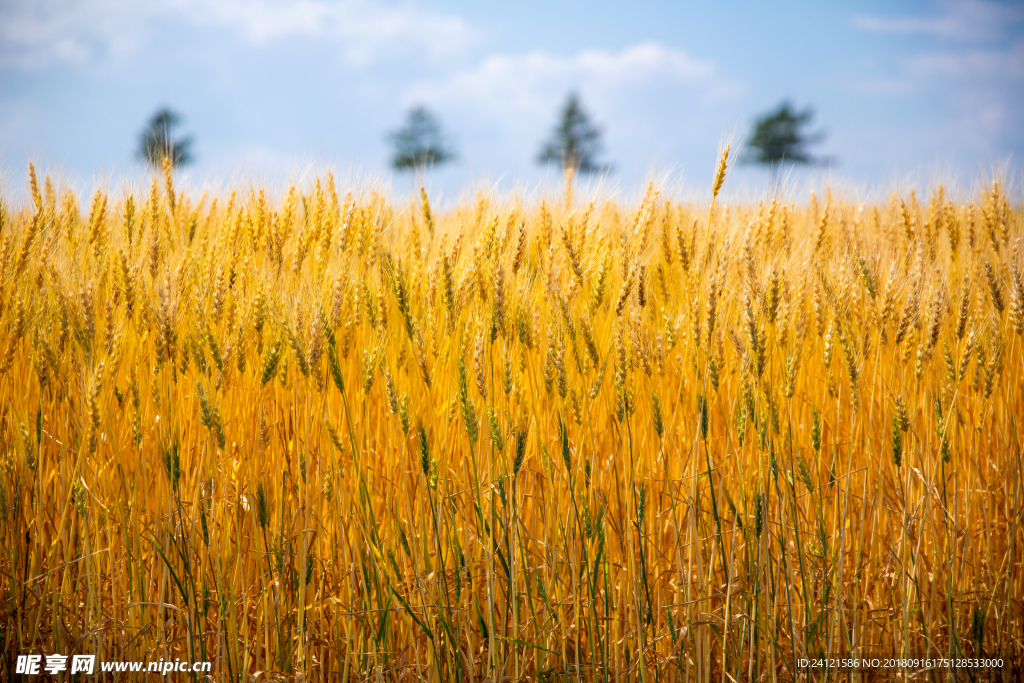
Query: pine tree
{"points": [[157, 141], [420, 142], [575, 141], [779, 136]]}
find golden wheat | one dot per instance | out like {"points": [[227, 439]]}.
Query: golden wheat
{"points": [[199, 464]]}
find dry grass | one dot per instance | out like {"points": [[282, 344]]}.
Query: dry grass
{"points": [[331, 438]]}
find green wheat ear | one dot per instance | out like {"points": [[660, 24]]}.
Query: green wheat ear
{"points": [[563, 436], [659, 424], [520, 451], [702, 416], [261, 506], [172, 464], [896, 441], [424, 453]]}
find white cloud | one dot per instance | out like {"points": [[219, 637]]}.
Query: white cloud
{"points": [[531, 84], [959, 20], [36, 33], [938, 26], [365, 31], [971, 58], [651, 101], [988, 65]]}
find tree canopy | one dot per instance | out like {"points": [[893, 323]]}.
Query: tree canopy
{"points": [[420, 142], [781, 135], [158, 141], [576, 141]]}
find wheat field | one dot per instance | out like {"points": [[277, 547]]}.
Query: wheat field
{"points": [[305, 433]]}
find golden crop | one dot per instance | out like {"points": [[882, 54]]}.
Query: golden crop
{"points": [[326, 437]]}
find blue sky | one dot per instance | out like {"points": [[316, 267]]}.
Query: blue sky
{"points": [[908, 93]]}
